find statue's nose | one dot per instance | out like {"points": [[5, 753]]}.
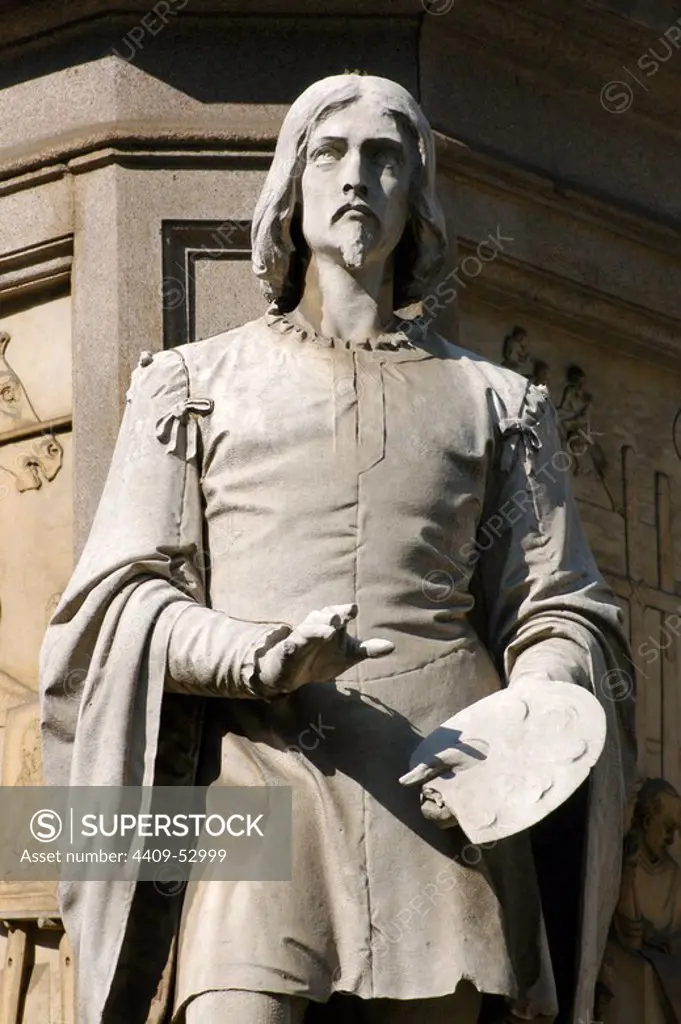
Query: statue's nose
{"points": [[359, 189]]}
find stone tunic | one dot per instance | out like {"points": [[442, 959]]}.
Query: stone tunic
{"points": [[407, 478], [356, 475]]}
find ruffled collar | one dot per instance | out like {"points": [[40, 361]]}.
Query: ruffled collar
{"points": [[390, 339]]}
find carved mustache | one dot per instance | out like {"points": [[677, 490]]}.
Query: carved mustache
{"points": [[347, 207]]}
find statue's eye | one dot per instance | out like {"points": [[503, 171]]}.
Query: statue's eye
{"points": [[389, 156], [326, 154]]}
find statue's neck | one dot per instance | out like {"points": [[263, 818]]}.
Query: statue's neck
{"points": [[655, 861], [351, 305]]}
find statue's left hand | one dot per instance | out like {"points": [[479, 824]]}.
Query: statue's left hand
{"points": [[433, 806]]}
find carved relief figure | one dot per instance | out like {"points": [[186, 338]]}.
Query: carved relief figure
{"points": [[40, 459], [315, 460], [515, 352], [575, 427], [647, 921], [649, 910], [22, 766], [573, 407], [37, 459], [16, 410], [516, 356], [32, 462]]}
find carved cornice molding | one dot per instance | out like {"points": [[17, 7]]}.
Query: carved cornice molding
{"points": [[22, 22], [588, 20], [146, 142], [38, 268], [476, 168], [607, 320], [577, 48]]}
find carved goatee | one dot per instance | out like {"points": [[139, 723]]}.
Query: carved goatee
{"points": [[354, 250]]}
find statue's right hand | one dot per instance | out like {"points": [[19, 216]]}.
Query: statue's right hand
{"points": [[316, 651]]}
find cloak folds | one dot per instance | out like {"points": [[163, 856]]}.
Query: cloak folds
{"points": [[554, 625], [103, 665], [541, 604]]}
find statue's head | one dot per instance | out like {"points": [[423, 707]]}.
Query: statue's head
{"points": [[353, 177], [657, 817], [575, 376], [514, 349]]}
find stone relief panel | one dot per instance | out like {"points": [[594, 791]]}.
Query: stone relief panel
{"points": [[626, 409], [35, 559], [572, 399], [36, 971], [591, 440], [35, 365], [35, 484], [21, 766], [626, 478]]}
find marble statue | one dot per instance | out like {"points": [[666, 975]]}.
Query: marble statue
{"points": [[646, 929], [573, 408], [264, 564], [515, 352]]}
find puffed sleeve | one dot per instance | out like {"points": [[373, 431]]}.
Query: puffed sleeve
{"points": [[209, 654], [133, 619]]}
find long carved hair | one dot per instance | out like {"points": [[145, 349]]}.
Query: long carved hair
{"points": [[280, 254]]}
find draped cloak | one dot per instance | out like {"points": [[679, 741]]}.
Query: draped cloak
{"points": [[261, 474]]}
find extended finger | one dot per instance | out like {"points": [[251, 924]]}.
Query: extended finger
{"points": [[336, 615], [374, 648], [423, 773]]}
